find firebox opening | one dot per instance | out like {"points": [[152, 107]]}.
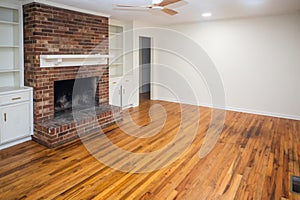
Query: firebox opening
{"points": [[75, 94]]}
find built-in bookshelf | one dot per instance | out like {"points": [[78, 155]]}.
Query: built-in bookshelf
{"points": [[16, 101], [121, 81], [11, 69], [116, 50]]}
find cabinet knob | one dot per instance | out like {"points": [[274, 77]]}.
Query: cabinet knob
{"points": [[5, 117]]}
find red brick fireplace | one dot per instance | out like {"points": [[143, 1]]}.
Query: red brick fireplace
{"points": [[55, 31]]}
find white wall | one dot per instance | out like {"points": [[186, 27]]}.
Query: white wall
{"points": [[258, 60]]}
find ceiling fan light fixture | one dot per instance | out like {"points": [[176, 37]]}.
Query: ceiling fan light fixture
{"points": [[157, 7], [160, 5], [156, 1], [206, 14]]}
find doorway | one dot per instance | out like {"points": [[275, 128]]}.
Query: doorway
{"points": [[145, 68]]}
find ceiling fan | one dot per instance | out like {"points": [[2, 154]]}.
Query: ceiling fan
{"points": [[155, 5]]}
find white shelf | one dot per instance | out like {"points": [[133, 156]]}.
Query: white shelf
{"points": [[9, 70], [116, 64], [9, 46], [72, 60], [8, 22], [116, 49], [116, 76], [115, 34]]}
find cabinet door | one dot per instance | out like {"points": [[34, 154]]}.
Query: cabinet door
{"points": [[115, 95], [15, 122], [127, 92]]}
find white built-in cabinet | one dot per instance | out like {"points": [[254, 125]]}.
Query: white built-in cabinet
{"points": [[16, 115], [16, 107], [121, 91], [120, 67], [14, 125]]}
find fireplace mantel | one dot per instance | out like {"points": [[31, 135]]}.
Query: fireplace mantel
{"points": [[73, 60]]}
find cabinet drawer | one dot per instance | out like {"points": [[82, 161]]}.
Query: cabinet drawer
{"points": [[14, 98]]}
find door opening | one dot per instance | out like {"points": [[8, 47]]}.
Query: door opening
{"points": [[145, 68]]}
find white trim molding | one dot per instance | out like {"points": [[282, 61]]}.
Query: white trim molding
{"points": [[13, 143], [58, 5], [234, 109], [264, 113], [255, 112]]}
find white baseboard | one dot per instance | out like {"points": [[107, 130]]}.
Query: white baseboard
{"points": [[265, 113], [10, 144], [235, 109]]}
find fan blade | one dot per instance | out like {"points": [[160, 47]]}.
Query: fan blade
{"points": [[168, 2], [128, 6], [169, 11]]}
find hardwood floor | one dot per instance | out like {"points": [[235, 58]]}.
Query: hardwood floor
{"points": [[144, 97], [253, 159]]}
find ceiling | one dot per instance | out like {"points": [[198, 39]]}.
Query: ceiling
{"points": [[190, 10]]}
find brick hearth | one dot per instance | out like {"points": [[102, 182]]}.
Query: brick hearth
{"points": [[50, 30], [65, 128]]}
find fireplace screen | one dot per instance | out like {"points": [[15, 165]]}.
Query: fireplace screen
{"points": [[75, 94]]}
